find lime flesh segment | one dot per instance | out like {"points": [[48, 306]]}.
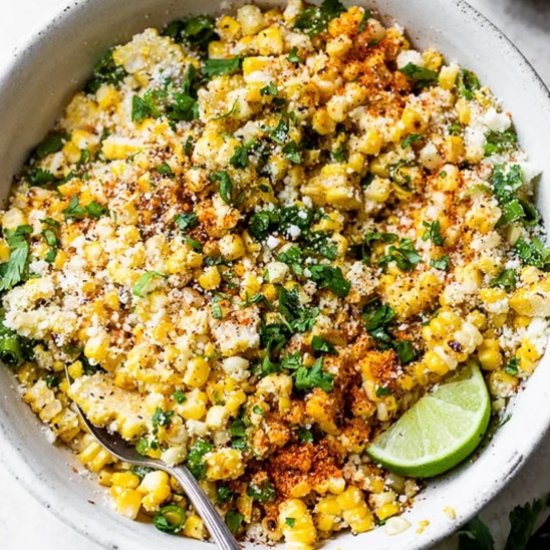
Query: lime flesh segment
{"points": [[440, 430]]}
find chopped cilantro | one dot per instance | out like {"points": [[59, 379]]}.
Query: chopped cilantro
{"points": [[292, 152], [293, 56], [51, 240], [15, 269], [179, 397], [314, 20], [468, 83], [405, 256], [500, 142], [299, 318], [533, 252], [216, 67], [363, 24], [421, 76], [195, 457], [265, 493], [433, 232], [197, 31], [290, 522], [226, 188], [52, 381], [321, 345], [186, 221], [41, 177], [140, 288], [52, 143], [506, 279], [106, 71], [224, 494], [475, 535], [330, 277], [512, 367], [234, 520], [315, 377], [410, 139], [161, 418], [382, 391], [170, 519], [441, 263], [305, 435]]}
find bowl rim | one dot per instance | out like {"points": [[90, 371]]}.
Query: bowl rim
{"points": [[45, 496]]}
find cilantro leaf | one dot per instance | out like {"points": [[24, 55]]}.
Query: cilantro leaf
{"points": [[314, 20], [410, 139], [195, 457], [299, 318], [15, 269], [106, 71], [264, 493], [475, 535], [405, 256], [234, 520], [186, 221], [52, 143], [441, 263], [292, 152], [226, 188], [140, 288], [332, 278], [533, 252], [217, 67], [522, 524], [468, 83], [506, 279], [315, 377], [293, 56], [500, 142], [321, 345], [197, 31], [433, 232], [421, 76]]}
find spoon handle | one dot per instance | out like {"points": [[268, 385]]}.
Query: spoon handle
{"points": [[214, 523]]}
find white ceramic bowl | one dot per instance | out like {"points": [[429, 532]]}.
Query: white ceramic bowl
{"points": [[33, 89]]}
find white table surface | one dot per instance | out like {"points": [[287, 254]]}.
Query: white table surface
{"points": [[25, 525]]}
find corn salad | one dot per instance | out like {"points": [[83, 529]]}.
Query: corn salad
{"points": [[256, 240]]}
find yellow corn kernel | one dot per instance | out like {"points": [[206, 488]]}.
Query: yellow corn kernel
{"points": [[194, 407], [370, 143], [71, 152], [224, 464], [454, 149], [194, 527], [128, 480], [270, 41], [464, 111], [128, 503], [210, 278], [231, 247], [322, 122], [379, 190], [97, 347], [355, 510], [318, 407], [489, 354], [435, 363], [107, 96], [251, 19], [197, 372], [339, 46], [216, 49], [528, 355], [228, 28], [447, 76], [478, 319], [492, 295], [502, 384], [300, 533], [76, 370], [448, 178], [387, 510], [522, 321], [413, 121], [432, 59]]}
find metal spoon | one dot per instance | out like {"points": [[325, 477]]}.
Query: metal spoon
{"points": [[119, 448]]}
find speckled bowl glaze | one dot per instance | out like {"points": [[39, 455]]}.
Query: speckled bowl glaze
{"points": [[33, 89]]}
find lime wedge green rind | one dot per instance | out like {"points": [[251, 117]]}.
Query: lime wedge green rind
{"points": [[439, 431]]}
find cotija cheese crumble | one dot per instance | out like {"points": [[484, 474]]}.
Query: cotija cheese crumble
{"points": [[256, 240]]}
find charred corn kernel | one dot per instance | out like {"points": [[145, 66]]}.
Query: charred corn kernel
{"points": [[533, 301], [528, 355], [379, 190], [197, 372], [128, 503], [228, 27], [128, 480], [339, 46], [489, 354], [413, 121], [194, 527], [251, 19], [318, 407], [210, 278], [454, 149], [300, 533], [448, 178], [438, 361], [463, 111], [447, 76]]}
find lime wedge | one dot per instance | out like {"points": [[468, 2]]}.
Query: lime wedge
{"points": [[440, 430]]}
